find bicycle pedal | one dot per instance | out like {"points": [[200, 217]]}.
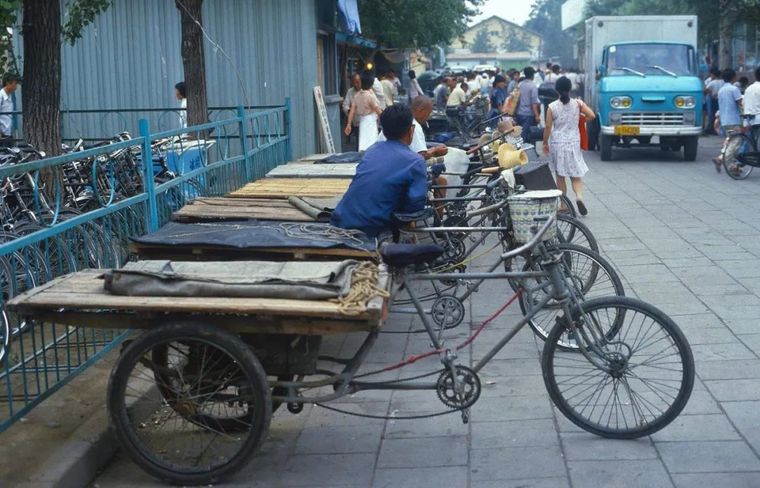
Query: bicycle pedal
{"points": [[465, 416]]}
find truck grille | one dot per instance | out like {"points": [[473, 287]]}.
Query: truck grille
{"points": [[652, 119]]}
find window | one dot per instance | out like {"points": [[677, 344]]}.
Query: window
{"points": [[327, 70]]}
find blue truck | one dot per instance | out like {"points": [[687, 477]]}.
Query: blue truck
{"points": [[642, 79]]}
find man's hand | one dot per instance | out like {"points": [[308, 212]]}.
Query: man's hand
{"points": [[347, 130], [439, 151]]}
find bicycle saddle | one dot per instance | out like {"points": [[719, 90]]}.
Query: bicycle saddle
{"points": [[409, 254]]}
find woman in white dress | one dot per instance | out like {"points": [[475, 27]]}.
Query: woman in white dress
{"points": [[562, 140], [366, 107], [415, 90]]}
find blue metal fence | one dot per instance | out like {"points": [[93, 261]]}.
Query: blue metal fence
{"points": [[58, 237]]}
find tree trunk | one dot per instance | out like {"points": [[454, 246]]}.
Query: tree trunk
{"points": [[193, 61], [725, 31], [41, 87]]}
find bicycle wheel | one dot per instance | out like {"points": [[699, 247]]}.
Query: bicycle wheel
{"points": [[173, 438], [564, 201], [571, 230], [732, 161], [646, 374], [588, 276]]}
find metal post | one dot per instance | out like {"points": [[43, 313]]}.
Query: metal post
{"points": [[288, 147], [243, 130], [150, 184]]}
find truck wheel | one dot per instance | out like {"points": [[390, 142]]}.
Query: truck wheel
{"points": [[690, 145], [605, 145]]}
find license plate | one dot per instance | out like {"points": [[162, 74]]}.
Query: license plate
{"points": [[627, 130]]}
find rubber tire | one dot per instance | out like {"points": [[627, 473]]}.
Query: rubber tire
{"points": [[605, 147], [231, 344], [578, 226], [603, 263], [572, 212], [690, 146], [675, 409]]}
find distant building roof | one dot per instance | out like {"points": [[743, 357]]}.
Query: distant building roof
{"points": [[505, 21]]}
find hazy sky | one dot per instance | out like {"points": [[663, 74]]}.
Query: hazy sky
{"points": [[516, 11]]}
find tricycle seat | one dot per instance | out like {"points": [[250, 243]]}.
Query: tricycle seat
{"points": [[410, 254]]}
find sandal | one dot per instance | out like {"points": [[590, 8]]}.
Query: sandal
{"points": [[581, 207]]}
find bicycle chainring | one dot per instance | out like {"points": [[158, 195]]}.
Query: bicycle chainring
{"points": [[468, 384], [447, 311]]}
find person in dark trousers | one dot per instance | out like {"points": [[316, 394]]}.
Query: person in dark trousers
{"points": [[7, 106], [528, 112], [390, 178]]}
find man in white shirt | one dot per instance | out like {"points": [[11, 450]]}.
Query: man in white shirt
{"points": [[457, 96], [389, 89], [711, 95], [752, 101], [377, 87], [10, 83], [180, 93]]}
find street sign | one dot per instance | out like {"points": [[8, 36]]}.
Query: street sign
{"points": [[573, 13], [324, 122]]}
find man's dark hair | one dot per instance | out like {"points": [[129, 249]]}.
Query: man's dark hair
{"points": [[180, 87], [728, 75], [715, 71], [412, 74], [499, 79], [757, 73], [530, 72], [744, 80], [549, 64], [368, 79], [9, 78], [556, 69], [396, 121]]}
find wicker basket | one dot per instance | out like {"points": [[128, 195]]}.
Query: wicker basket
{"points": [[524, 208]]}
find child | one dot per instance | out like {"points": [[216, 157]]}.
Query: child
{"points": [[365, 106], [562, 139]]}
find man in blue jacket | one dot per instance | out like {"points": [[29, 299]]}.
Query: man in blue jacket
{"points": [[390, 178]]}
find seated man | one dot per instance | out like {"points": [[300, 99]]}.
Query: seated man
{"points": [[390, 178]]}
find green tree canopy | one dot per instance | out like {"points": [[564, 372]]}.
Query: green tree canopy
{"points": [[546, 19], [482, 42], [416, 23]]}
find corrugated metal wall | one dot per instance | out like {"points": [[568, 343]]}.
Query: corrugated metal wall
{"points": [[130, 58]]}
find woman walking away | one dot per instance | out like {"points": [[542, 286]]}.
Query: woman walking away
{"points": [[562, 139], [366, 107]]}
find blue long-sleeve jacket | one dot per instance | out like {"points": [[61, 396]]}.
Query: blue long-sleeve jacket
{"points": [[390, 178]]}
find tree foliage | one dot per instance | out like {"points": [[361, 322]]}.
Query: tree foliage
{"points": [[546, 19], [515, 41], [482, 42], [416, 23]]}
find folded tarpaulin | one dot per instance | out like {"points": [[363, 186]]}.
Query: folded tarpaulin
{"points": [[319, 209], [348, 11], [234, 279], [346, 157], [258, 234]]}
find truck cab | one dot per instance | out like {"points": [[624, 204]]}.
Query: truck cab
{"points": [[648, 89]]}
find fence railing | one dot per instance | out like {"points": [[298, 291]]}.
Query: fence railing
{"points": [[79, 210]]}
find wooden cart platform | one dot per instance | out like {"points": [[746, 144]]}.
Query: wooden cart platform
{"points": [[201, 252], [79, 299], [283, 188]]}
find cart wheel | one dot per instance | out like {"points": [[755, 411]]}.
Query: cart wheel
{"points": [[174, 417]]}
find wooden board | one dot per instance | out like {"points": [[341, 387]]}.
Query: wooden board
{"points": [[79, 299], [314, 157], [220, 209], [299, 170], [283, 188], [216, 253]]}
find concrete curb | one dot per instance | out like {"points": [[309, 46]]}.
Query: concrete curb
{"points": [[76, 462]]}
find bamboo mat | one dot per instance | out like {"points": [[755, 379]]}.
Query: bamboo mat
{"points": [[220, 209], [283, 188], [301, 170]]}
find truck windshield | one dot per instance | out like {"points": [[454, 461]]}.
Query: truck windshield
{"points": [[650, 59]]}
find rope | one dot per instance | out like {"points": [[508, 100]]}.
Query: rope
{"points": [[364, 287]]}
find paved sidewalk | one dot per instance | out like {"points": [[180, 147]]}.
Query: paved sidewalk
{"points": [[685, 239]]}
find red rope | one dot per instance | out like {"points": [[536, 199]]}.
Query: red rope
{"points": [[416, 357]]}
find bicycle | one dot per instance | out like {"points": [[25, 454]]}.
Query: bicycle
{"points": [[740, 150]]}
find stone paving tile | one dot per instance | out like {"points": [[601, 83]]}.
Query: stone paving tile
{"points": [[328, 470], [746, 417], [588, 447], [729, 370], [515, 433], [523, 483], [698, 428], [734, 390], [454, 476], [617, 474], [428, 452], [715, 480], [516, 463], [706, 457]]}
